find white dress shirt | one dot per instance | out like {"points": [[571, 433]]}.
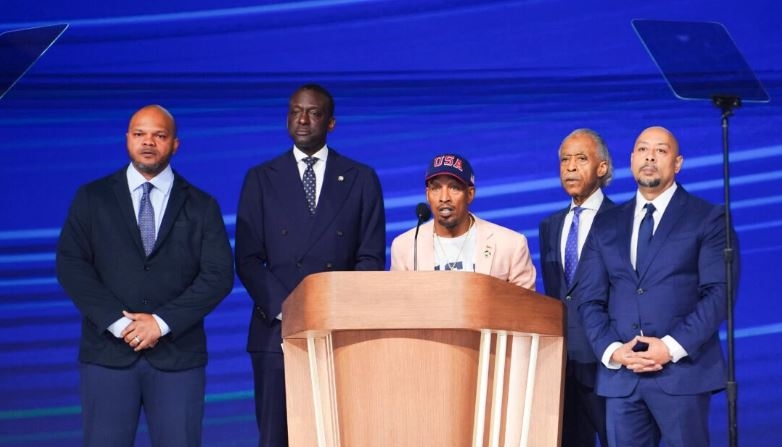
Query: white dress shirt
{"points": [[585, 219], [158, 196], [319, 167], [660, 205]]}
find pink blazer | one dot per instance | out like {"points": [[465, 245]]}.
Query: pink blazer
{"points": [[501, 252]]}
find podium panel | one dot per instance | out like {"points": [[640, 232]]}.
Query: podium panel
{"points": [[421, 359]]}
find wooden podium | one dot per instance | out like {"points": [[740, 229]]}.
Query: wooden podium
{"points": [[421, 359]]}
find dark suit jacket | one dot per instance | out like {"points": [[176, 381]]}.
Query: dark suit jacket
{"points": [[679, 291], [555, 285], [278, 242], [102, 266]]}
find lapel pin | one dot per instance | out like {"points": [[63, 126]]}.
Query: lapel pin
{"points": [[340, 178], [487, 251]]}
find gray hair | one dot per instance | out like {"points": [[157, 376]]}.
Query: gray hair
{"points": [[602, 151]]}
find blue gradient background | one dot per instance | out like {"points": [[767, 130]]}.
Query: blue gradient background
{"points": [[501, 82]]}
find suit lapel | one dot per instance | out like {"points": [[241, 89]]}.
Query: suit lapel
{"points": [[485, 247], [624, 231], [125, 209], [604, 205], [175, 202], [558, 221], [607, 204], [285, 180], [285, 183], [673, 212], [338, 181]]}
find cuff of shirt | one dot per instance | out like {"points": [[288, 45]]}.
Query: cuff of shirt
{"points": [[118, 326], [676, 350], [606, 359], [164, 329]]}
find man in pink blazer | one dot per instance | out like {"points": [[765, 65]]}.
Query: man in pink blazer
{"points": [[456, 239]]}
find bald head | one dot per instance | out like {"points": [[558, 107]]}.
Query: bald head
{"points": [[659, 133], [161, 112]]}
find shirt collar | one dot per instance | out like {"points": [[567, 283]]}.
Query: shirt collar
{"points": [[592, 202], [660, 202], [163, 181], [322, 154]]}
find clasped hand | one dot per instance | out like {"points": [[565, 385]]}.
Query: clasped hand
{"points": [[651, 360], [142, 333]]}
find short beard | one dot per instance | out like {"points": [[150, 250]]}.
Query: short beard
{"points": [[653, 183], [151, 169]]}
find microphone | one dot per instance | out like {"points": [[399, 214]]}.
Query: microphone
{"points": [[423, 213]]}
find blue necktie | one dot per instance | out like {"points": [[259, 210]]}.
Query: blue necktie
{"points": [[571, 247], [645, 231], [146, 219], [309, 183]]}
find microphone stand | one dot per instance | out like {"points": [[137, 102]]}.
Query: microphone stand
{"points": [[415, 245], [727, 104], [423, 213]]}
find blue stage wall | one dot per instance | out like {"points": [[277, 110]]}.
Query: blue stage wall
{"points": [[501, 82]]}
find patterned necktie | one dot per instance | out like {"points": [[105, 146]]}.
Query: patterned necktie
{"points": [[571, 247], [146, 219], [645, 231], [309, 183]]}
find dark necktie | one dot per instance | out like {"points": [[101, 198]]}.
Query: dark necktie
{"points": [[309, 183], [146, 219], [571, 246], [645, 231]]}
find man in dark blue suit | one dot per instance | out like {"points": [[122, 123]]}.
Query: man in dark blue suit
{"points": [[584, 169], [652, 296], [144, 256], [309, 210]]}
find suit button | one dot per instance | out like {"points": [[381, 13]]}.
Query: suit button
{"points": [[298, 264], [329, 266], [640, 291], [147, 268], [635, 325], [284, 232], [339, 233], [260, 311], [568, 298]]}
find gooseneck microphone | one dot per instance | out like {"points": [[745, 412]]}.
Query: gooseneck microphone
{"points": [[423, 213]]}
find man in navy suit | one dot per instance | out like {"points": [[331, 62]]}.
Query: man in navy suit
{"points": [[652, 296], [143, 287], [584, 169], [309, 210]]}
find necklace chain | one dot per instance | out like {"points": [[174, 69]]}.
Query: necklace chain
{"points": [[452, 265]]}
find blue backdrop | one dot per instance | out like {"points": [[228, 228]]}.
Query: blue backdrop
{"points": [[501, 82]]}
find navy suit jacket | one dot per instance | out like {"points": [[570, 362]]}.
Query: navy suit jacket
{"points": [[679, 291], [555, 285], [278, 242], [102, 266]]}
